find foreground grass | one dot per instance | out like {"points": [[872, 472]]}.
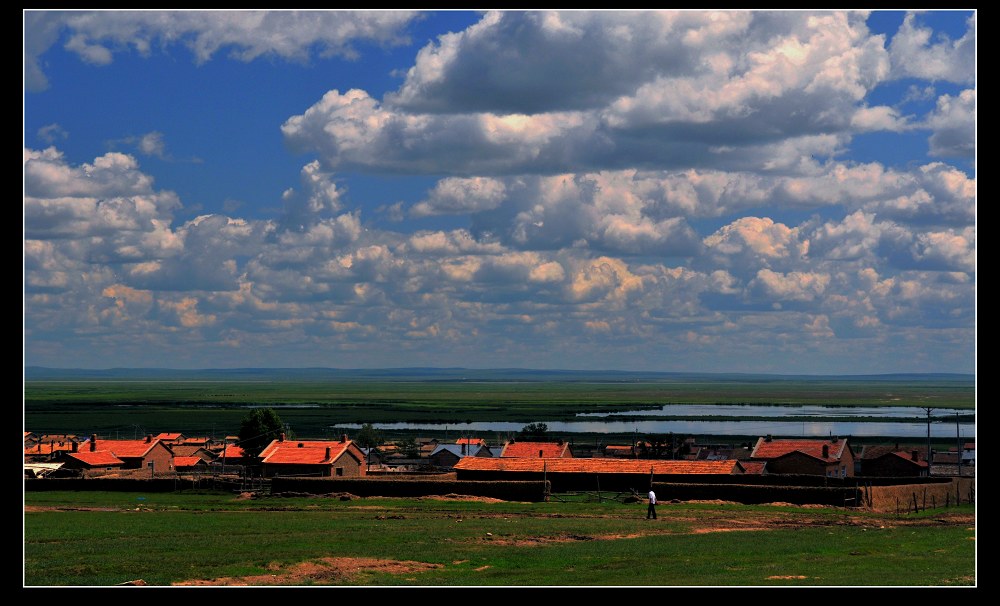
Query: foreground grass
{"points": [[99, 539]]}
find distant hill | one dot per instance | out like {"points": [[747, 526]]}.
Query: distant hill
{"points": [[41, 373]]}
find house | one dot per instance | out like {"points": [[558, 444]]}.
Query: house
{"points": [[323, 458], [752, 467], [190, 463], [536, 450], [91, 460], [134, 454], [46, 447], [969, 453], [620, 451], [186, 450], [893, 461], [831, 457], [169, 438], [231, 454], [446, 455]]}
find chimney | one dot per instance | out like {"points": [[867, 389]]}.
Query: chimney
{"points": [[914, 455], [897, 447], [541, 453], [343, 438], [463, 448], [300, 445], [76, 447], [93, 442], [149, 438], [834, 439], [281, 437], [328, 453], [768, 438], [826, 451], [559, 442]]}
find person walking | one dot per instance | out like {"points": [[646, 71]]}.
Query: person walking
{"points": [[651, 510]]}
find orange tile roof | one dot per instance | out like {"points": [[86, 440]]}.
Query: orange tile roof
{"points": [[562, 465], [754, 467], [311, 452], [813, 448], [124, 448], [45, 448], [232, 452], [187, 461], [96, 458], [167, 436], [909, 458], [532, 449], [471, 441]]}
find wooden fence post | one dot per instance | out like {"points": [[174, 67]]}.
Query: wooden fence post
{"points": [[915, 510]]}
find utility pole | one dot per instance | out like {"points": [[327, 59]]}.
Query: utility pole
{"points": [[958, 442], [929, 457]]}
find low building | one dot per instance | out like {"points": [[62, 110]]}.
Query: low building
{"points": [[190, 464], [832, 457], [888, 461], [91, 461], [447, 455], [148, 453], [536, 450], [323, 458]]}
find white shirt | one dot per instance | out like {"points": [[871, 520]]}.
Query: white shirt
{"points": [[652, 498]]}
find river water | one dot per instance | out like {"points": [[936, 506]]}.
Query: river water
{"points": [[942, 426]]}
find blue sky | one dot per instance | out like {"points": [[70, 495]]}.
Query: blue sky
{"points": [[739, 191]]}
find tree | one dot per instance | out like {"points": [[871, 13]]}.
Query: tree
{"points": [[258, 429], [369, 438], [408, 448], [534, 432]]}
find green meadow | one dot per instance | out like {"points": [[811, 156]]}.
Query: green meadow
{"points": [[312, 405], [102, 539]]}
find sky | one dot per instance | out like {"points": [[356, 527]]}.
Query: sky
{"points": [[742, 191]]}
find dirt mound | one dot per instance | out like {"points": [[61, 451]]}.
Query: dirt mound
{"points": [[459, 497], [325, 571]]}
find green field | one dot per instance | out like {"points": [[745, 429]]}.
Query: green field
{"points": [[100, 539], [311, 406]]}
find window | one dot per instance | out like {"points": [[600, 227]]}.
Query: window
{"points": [[340, 471]]}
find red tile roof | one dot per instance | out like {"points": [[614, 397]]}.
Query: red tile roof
{"points": [[168, 436], [124, 448], [532, 450], [471, 441], [232, 452], [813, 448], [908, 457], [187, 461], [570, 465], [617, 448], [311, 452], [93, 459], [754, 467], [47, 448]]}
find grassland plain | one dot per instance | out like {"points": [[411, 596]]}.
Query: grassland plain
{"points": [[204, 538], [313, 405]]}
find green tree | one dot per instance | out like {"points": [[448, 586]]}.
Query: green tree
{"points": [[258, 429], [534, 432], [408, 448]]}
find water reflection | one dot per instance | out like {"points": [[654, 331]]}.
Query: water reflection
{"points": [[942, 429], [750, 410]]}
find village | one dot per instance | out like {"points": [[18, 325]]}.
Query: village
{"points": [[172, 454]]}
